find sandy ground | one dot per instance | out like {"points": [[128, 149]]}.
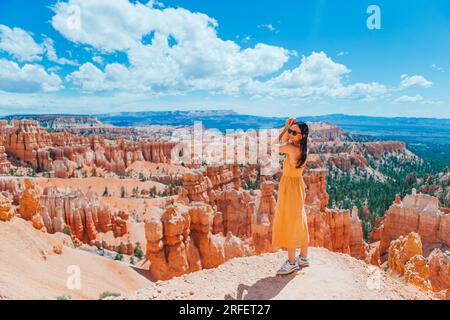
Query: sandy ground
{"points": [[29, 269], [113, 185], [143, 208], [156, 169], [331, 276]]}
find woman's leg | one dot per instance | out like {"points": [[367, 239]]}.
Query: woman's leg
{"points": [[291, 254], [304, 252]]}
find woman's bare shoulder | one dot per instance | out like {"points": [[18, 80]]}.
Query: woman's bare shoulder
{"points": [[289, 148]]}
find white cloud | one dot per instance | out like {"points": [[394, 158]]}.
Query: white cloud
{"points": [[115, 77], [246, 39], [52, 56], [414, 81], [406, 98], [173, 51], [169, 50], [29, 78], [98, 60], [119, 25], [269, 27], [432, 102], [19, 44], [416, 98], [317, 75], [342, 53], [154, 3], [438, 68]]}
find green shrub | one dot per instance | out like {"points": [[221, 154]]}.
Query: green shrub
{"points": [[67, 231], [107, 294], [138, 252]]}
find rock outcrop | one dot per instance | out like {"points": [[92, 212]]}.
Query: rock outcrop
{"points": [[336, 230], [237, 208], [415, 213], [29, 202], [195, 187], [316, 193], [406, 258], [80, 213], [7, 212], [25, 140], [249, 216], [181, 241], [262, 224], [323, 131], [438, 270], [5, 165], [356, 242], [71, 211], [377, 149]]}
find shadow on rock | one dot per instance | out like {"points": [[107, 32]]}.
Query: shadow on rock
{"points": [[263, 289]]}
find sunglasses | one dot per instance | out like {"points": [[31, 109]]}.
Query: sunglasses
{"points": [[293, 132]]}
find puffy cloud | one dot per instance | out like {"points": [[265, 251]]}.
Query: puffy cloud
{"points": [[104, 24], [19, 44], [175, 51], [168, 49], [414, 81], [27, 79], [317, 75]]}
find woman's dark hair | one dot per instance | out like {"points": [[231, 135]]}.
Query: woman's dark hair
{"points": [[304, 129]]}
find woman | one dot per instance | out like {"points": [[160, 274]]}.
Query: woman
{"points": [[290, 225]]}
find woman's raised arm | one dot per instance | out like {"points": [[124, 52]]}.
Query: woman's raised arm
{"points": [[283, 137]]}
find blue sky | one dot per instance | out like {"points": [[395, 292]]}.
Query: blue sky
{"points": [[268, 58]]}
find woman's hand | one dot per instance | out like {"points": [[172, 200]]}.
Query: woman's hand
{"points": [[283, 136], [289, 122]]}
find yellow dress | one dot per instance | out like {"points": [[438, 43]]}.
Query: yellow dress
{"points": [[290, 224]]}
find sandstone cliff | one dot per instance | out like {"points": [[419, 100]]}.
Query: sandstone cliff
{"points": [[406, 258], [418, 213], [212, 204], [63, 151], [79, 214]]}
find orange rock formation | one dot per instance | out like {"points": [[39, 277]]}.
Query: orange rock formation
{"points": [[6, 210], [406, 258], [63, 151], [415, 213], [57, 210], [182, 241], [332, 229]]}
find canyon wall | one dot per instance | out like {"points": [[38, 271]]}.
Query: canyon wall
{"points": [[214, 219], [71, 211], [182, 241], [63, 151]]}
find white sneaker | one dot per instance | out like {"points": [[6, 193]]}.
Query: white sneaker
{"points": [[287, 268], [302, 262]]}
